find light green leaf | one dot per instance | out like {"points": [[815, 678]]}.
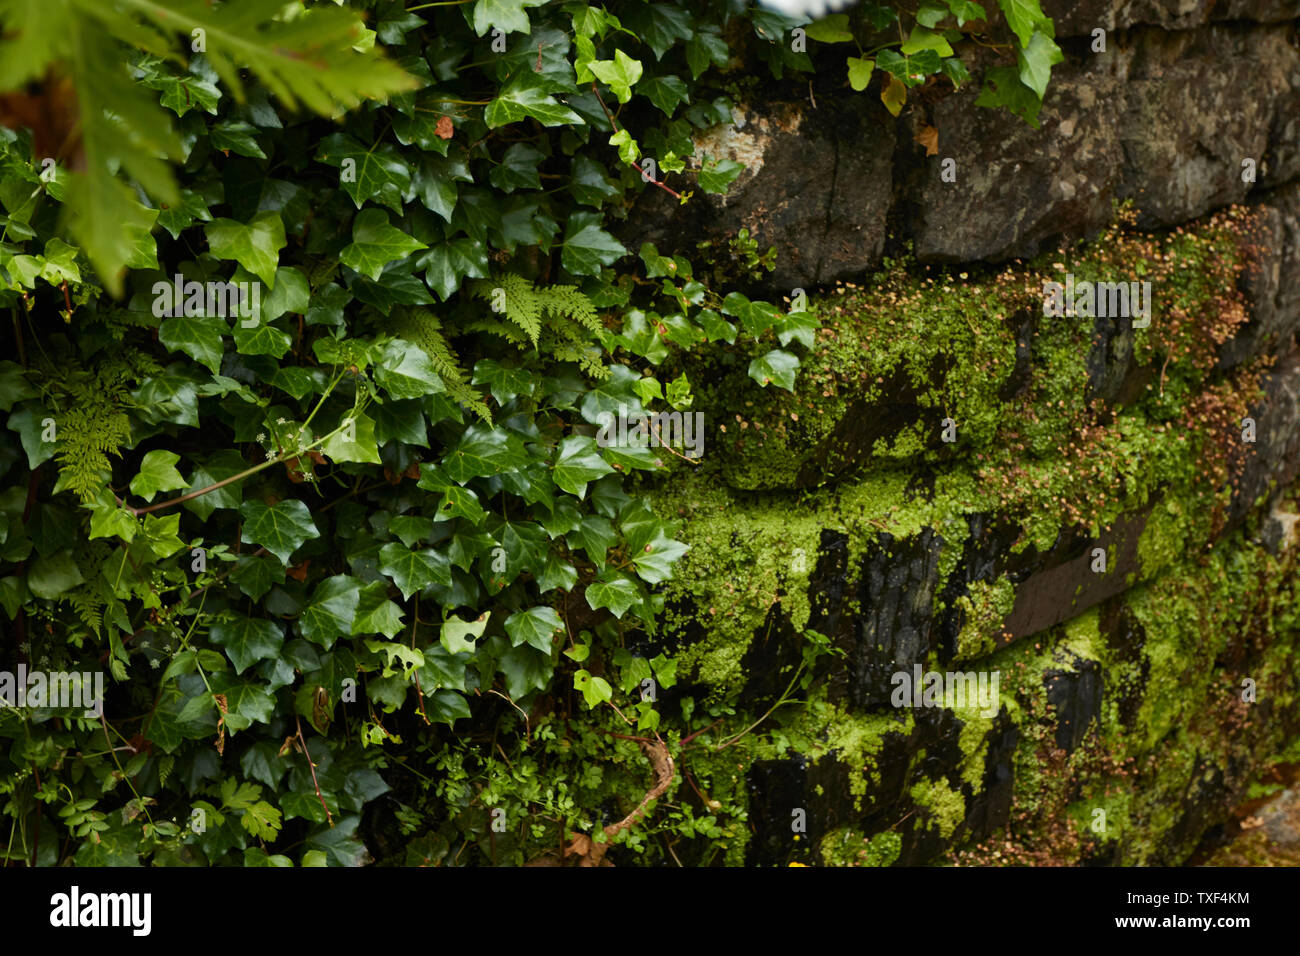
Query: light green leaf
{"points": [[455, 631], [619, 74], [578, 462], [255, 246], [923, 39], [509, 15], [358, 444], [777, 366], [375, 243], [157, 473], [831, 29], [1036, 61], [860, 72]]}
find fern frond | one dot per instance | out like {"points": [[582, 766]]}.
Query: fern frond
{"points": [[567, 301], [424, 329]]}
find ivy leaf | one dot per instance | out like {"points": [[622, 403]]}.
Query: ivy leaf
{"points": [[1024, 17], [54, 574], [509, 15], [257, 575], [219, 467], [1002, 87], [280, 528], [455, 633], [595, 690], [654, 560], [666, 92], [589, 185], [404, 371], [965, 11], [237, 137], [375, 613], [929, 13], [576, 463], [450, 262], [831, 29], [922, 39], [536, 626], [1036, 62], [526, 669], [246, 640], [198, 336], [894, 95], [254, 245], [261, 339], [524, 96], [776, 366], [157, 473], [704, 49], [715, 177], [359, 445], [413, 571], [587, 247], [484, 451], [619, 74], [332, 610], [517, 169], [376, 174], [617, 593], [860, 72], [375, 243]]}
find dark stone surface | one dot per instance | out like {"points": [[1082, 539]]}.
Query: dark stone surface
{"points": [[1076, 696], [896, 596]]}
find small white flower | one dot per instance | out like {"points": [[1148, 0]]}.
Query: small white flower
{"points": [[155, 662], [261, 437], [281, 421]]}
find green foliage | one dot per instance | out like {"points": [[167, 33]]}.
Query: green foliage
{"points": [[326, 547]]}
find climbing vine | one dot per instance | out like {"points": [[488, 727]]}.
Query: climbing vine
{"points": [[314, 312]]}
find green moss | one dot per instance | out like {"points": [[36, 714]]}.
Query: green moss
{"points": [[984, 609], [946, 806], [847, 846]]}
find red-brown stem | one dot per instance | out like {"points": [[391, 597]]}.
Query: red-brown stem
{"points": [[676, 195]]}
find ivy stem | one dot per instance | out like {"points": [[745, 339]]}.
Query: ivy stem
{"points": [[283, 456], [614, 126], [312, 767]]}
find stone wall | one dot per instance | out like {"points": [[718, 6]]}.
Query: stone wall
{"points": [[1109, 522]]}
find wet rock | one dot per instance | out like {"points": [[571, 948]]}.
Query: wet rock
{"points": [[1186, 129], [896, 596], [816, 186], [1018, 187], [1076, 696]]}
